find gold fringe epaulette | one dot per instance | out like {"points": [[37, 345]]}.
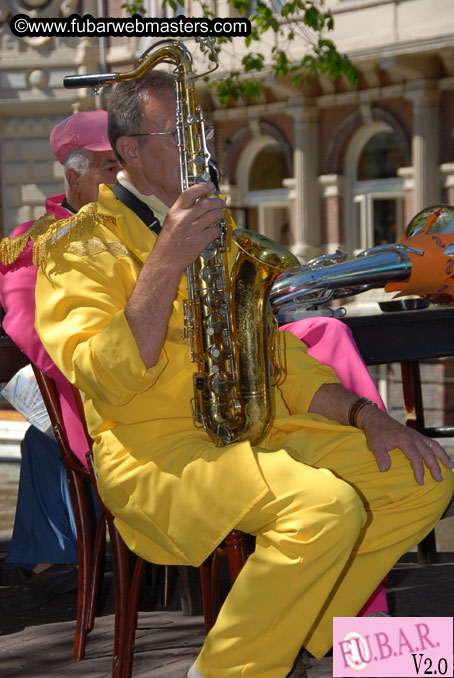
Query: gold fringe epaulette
{"points": [[12, 248], [47, 231]]}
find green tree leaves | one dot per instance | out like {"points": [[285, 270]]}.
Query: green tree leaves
{"points": [[283, 25]]}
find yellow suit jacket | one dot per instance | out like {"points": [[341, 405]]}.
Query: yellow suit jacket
{"points": [[175, 494]]}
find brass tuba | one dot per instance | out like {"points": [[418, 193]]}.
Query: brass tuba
{"points": [[225, 320]]}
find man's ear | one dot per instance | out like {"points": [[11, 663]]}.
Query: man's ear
{"points": [[127, 148], [72, 177]]}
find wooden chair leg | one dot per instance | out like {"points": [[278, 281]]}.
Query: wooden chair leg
{"points": [[413, 403], [216, 568], [236, 553], [99, 548], [120, 566], [130, 626], [234, 549], [167, 572], [84, 554], [414, 416], [207, 601], [78, 479], [427, 549]]}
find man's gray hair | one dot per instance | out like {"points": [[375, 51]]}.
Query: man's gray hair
{"points": [[79, 160], [125, 106]]}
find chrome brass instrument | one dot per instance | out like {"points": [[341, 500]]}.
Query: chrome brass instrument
{"points": [[395, 266], [334, 276], [226, 321]]}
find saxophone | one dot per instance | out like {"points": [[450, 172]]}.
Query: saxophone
{"points": [[226, 320]]}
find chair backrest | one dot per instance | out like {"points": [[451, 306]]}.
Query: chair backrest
{"points": [[51, 399], [80, 409], [87, 523]]}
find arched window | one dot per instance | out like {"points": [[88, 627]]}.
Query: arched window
{"points": [[268, 169], [373, 211], [262, 199], [381, 157]]}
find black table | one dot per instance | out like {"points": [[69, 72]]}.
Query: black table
{"points": [[405, 335], [407, 338]]}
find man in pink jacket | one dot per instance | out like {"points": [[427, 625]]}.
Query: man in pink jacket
{"points": [[44, 543]]}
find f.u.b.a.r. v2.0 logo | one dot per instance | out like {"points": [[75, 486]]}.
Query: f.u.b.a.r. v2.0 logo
{"points": [[397, 647]]}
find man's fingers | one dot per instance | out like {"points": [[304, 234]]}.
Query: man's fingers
{"points": [[382, 459], [416, 461], [210, 203], [431, 462], [202, 211], [208, 211], [419, 454], [420, 450], [440, 453], [189, 196]]}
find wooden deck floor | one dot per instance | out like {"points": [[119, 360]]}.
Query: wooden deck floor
{"points": [[39, 644]]}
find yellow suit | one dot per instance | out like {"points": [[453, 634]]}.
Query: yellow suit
{"points": [[175, 495]]}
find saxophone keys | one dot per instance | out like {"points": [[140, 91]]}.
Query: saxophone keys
{"points": [[209, 273], [210, 251], [199, 160], [213, 299], [219, 383], [203, 177], [214, 324], [216, 351]]}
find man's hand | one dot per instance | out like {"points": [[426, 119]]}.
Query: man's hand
{"points": [[384, 433], [190, 225]]}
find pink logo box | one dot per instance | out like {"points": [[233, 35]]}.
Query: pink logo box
{"points": [[392, 646]]}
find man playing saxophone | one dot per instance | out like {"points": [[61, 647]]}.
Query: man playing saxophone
{"points": [[335, 492]]}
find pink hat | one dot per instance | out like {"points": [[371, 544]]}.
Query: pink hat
{"points": [[87, 129]]}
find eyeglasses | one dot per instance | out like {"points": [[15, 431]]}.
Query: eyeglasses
{"points": [[209, 133]]}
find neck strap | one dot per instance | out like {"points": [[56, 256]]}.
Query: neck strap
{"points": [[138, 207]]}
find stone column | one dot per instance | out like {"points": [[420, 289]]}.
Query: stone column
{"points": [[306, 212], [408, 174], [425, 144], [332, 195], [447, 172]]}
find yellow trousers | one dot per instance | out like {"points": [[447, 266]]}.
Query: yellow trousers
{"points": [[323, 545]]}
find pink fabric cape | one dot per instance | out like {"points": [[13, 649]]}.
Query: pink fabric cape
{"points": [[17, 296]]}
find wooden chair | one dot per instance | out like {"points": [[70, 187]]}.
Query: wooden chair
{"points": [[127, 583], [90, 542]]}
